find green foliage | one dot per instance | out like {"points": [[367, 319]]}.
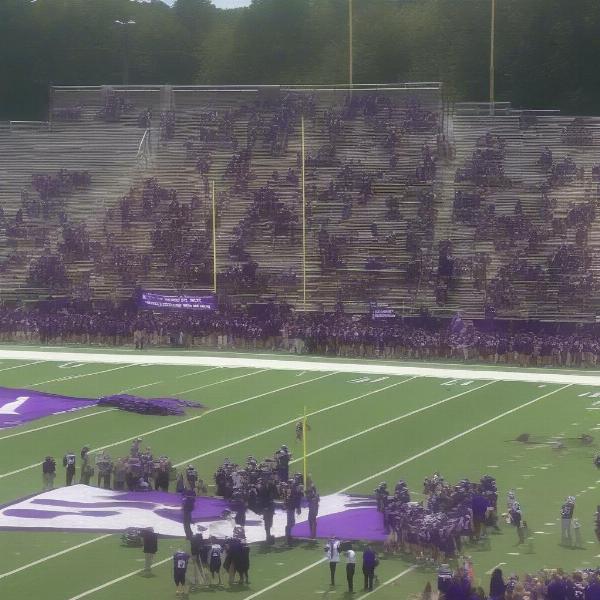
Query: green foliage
{"points": [[545, 49]]}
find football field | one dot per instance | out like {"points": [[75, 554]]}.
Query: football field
{"points": [[365, 428]]}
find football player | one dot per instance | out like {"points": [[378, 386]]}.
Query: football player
{"points": [[69, 463], [49, 472], [180, 564]]}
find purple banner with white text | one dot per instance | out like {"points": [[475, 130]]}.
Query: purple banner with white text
{"points": [[18, 406], [179, 302]]}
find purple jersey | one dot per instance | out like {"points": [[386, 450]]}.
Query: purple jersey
{"points": [[180, 561]]}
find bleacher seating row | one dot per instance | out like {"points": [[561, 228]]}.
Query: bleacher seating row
{"points": [[384, 168]]}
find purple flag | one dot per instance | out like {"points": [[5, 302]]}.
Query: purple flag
{"points": [[20, 406]]}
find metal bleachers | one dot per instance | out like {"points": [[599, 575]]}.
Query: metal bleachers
{"points": [[103, 130]]}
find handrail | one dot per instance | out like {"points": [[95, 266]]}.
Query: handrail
{"points": [[46, 123], [142, 142]]}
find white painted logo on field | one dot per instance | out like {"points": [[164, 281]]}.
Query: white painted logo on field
{"points": [[10, 408], [457, 382], [71, 365]]}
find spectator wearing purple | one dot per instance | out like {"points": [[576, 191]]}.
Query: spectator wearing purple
{"points": [[593, 590], [479, 506], [557, 589], [497, 585], [370, 562], [459, 588]]}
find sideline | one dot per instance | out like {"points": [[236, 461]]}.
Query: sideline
{"points": [[300, 365]]}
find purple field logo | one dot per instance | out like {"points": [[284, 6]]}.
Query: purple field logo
{"points": [[18, 406], [85, 508]]}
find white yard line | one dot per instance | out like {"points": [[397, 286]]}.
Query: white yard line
{"points": [[387, 582], [118, 579], [197, 372], [178, 423], [36, 362], [390, 421], [374, 368], [207, 385], [51, 556], [290, 422], [99, 412], [82, 375], [451, 439], [138, 387], [170, 558], [251, 596], [281, 581], [495, 567]]}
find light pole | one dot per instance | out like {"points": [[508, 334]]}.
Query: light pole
{"points": [[126, 25], [350, 45], [492, 57]]}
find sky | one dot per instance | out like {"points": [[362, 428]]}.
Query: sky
{"points": [[223, 3]]}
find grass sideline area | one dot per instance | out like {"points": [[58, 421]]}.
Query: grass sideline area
{"points": [[389, 427]]}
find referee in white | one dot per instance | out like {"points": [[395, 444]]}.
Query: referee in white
{"points": [[332, 552], [350, 567]]}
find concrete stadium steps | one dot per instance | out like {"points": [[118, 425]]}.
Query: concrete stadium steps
{"points": [[523, 149], [359, 141], [107, 152]]}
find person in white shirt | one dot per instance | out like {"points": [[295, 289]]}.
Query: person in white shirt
{"points": [[332, 552], [350, 567]]}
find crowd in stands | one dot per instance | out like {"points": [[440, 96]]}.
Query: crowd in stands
{"points": [[269, 123], [547, 584], [115, 105], [485, 169], [67, 113], [49, 271], [317, 333]]}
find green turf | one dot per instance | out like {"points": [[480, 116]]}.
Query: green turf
{"points": [[381, 434]]}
